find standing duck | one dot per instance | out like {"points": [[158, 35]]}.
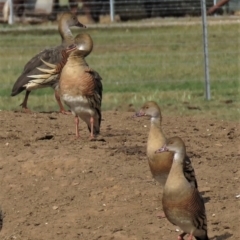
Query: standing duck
{"points": [[80, 87], [160, 164], [51, 55], [182, 203]]}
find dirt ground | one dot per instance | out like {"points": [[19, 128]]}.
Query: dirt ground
{"points": [[56, 188]]}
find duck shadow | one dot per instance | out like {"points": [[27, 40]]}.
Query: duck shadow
{"points": [[134, 150], [222, 237], [50, 112], [206, 199], [98, 139]]}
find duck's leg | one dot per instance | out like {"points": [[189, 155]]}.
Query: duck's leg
{"points": [[57, 97], [161, 215], [77, 127], [24, 103], [91, 127], [190, 237], [180, 237]]}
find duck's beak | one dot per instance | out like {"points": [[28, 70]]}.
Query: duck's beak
{"points": [[139, 114], [162, 149], [80, 25]]}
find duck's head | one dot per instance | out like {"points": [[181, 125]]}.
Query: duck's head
{"points": [[175, 145], [83, 44], [70, 20], [151, 109]]}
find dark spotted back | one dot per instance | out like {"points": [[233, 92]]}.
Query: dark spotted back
{"points": [[189, 172]]}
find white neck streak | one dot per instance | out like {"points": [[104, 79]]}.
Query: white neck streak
{"points": [[178, 157], [155, 120]]}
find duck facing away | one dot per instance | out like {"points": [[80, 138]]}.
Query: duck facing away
{"points": [[50, 55], [80, 87], [182, 203], [160, 164]]}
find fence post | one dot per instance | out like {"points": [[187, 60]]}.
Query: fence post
{"points": [[10, 18], [112, 11], [205, 46], [214, 3]]}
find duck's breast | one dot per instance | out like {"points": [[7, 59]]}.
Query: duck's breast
{"points": [[79, 105]]}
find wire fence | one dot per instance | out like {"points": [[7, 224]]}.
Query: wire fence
{"points": [[125, 10], [152, 54]]}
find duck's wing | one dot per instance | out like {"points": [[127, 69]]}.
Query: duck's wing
{"points": [[51, 55]]}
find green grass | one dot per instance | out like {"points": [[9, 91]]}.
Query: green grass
{"points": [[164, 64]]}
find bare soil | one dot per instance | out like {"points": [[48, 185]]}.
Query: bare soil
{"points": [[56, 188]]}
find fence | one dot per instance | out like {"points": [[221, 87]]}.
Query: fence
{"points": [[151, 55], [125, 10]]}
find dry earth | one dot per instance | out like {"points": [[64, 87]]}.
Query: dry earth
{"points": [[56, 188]]}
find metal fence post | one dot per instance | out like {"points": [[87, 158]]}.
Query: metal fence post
{"points": [[214, 3], [112, 11], [205, 46], [10, 18]]}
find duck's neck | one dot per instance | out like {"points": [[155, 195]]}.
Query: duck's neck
{"points": [[176, 179], [76, 59], [65, 33], [156, 138]]}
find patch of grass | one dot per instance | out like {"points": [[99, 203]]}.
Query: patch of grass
{"points": [[164, 64]]}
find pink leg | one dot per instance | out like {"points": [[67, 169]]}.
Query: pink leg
{"points": [[180, 237], [77, 127], [57, 97], [91, 122], [161, 215], [24, 103], [190, 237]]}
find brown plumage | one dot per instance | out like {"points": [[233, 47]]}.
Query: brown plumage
{"points": [[182, 203], [81, 87], [160, 164], [81, 90], [50, 55]]}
